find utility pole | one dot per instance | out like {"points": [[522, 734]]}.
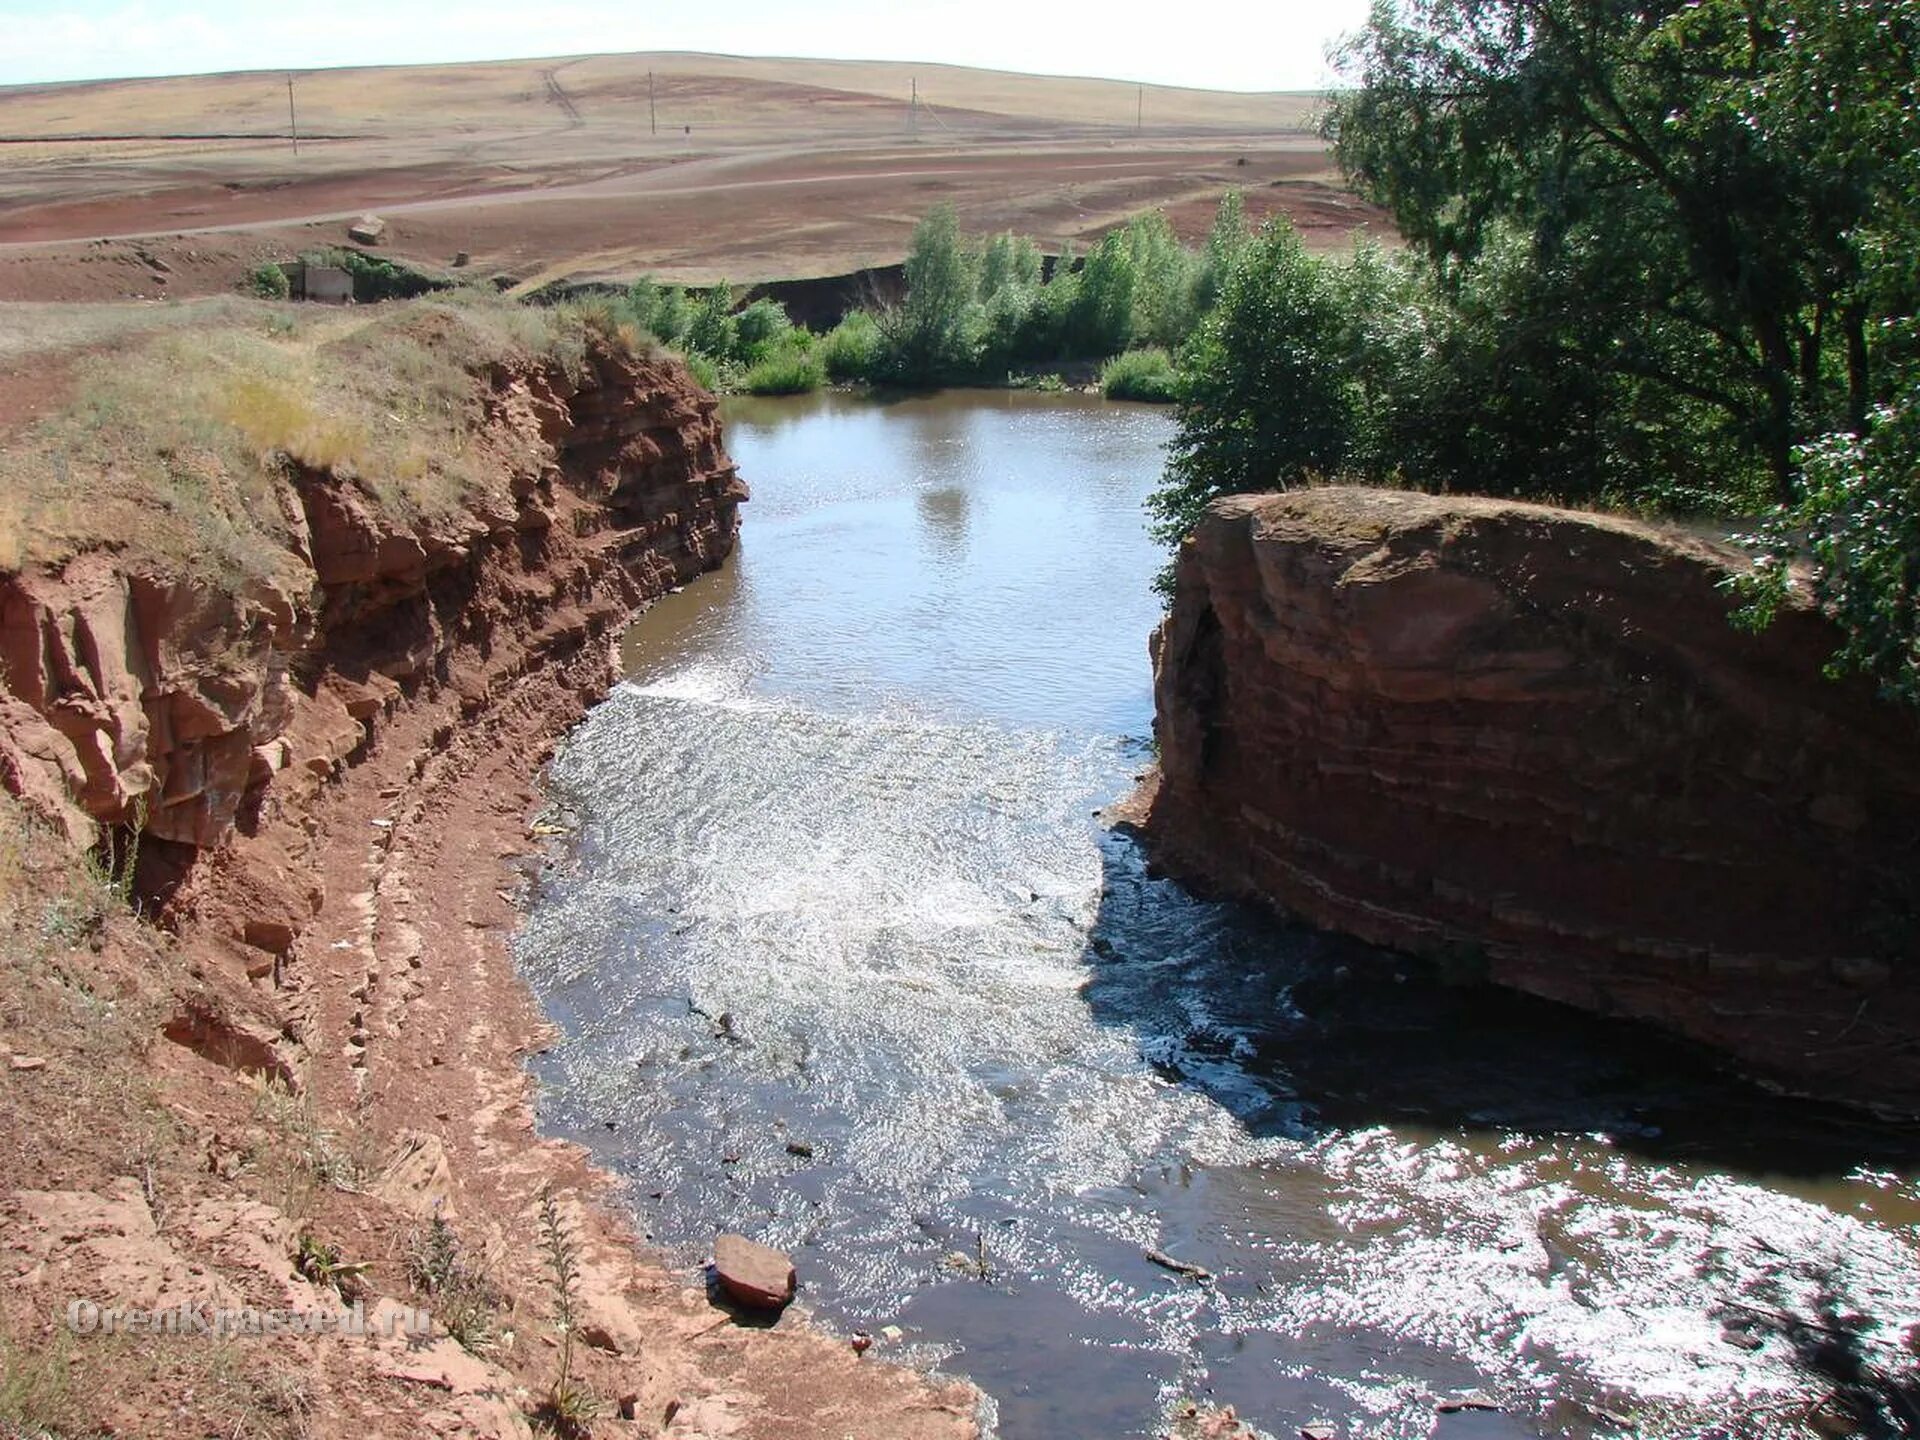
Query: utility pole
{"points": [[293, 125], [1139, 109], [913, 108], [653, 119]]}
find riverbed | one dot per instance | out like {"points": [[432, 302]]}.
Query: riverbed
{"points": [[843, 959]]}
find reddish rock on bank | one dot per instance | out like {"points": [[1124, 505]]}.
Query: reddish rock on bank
{"points": [[1528, 742], [754, 1274]]}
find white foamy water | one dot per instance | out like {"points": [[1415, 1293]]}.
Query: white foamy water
{"points": [[843, 962]]}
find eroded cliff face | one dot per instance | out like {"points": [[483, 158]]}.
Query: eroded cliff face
{"points": [[1527, 742], [186, 710], [334, 780]]}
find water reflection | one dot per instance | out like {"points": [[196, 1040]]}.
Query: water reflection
{"points": [[943, 519]]}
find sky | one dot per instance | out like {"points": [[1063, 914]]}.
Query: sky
{"points": [[1212, 44]]}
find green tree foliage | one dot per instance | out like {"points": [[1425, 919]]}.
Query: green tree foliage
{"points": [[1664, 253], [1010, 288], [936, 333], [1266, 402], [761, 331], [1685, 181], [1165, 275], [852, 349], [269, 282], [1857, 519], [712, 329], [1225, 241], [1100, 321]]}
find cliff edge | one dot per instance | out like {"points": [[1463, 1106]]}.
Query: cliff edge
{"points": [[1527, 743], [280, 664]]}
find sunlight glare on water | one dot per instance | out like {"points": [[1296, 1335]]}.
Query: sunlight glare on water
{"points": [[842, 961]]}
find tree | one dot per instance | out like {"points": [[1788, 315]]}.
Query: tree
{"points": [[1265, 403], [1101, 319], [936, 333], [1225, 241], [1009, 294], [712, 329], [1163, 281], [1679, 161]]}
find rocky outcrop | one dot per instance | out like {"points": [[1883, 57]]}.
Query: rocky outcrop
{"points": [[180, 709], [1528, 743], [333, 776]]}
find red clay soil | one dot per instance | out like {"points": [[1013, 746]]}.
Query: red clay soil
{"points": [[779, 178], [1528, 742], [337, 784]]}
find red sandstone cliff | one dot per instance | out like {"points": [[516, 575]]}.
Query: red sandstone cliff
{"points": [[140, 698], [331, 774], [1528, 740]]}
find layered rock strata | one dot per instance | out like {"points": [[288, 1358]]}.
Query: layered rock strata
{"points": [[1528, 742]]}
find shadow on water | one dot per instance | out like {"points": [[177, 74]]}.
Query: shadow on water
{"points": [[1862, 1382], [1302, 1033]]}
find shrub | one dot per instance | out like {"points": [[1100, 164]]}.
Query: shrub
{"points": [[852, 349], [376, 279], [786, 372], [761, 330], [269, 282], [713, 329], [704, 369], [1140, 375]]}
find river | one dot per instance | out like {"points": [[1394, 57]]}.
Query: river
{"points": [[843, 960]]}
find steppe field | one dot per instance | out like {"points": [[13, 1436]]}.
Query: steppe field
{"points": [[693, 167]]}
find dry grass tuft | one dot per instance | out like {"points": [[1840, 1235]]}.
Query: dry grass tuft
{"points": [[178, 448]]}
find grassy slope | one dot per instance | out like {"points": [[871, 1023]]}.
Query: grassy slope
{"points": [[172, 443]]}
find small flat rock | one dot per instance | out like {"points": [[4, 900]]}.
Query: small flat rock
{"points": [[1471, 1400], [1319, 1431], [752, 1273], [27, 1062]]}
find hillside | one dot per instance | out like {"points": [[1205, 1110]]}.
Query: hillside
{"points": [[696, 166]]}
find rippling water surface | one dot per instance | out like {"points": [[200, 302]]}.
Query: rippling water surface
{"points": [[843, 961]]}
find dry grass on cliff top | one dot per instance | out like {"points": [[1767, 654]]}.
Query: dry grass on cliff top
{"points": [[172, 449]]}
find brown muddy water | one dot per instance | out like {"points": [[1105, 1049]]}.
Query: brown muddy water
{"points": [[842, 961]]}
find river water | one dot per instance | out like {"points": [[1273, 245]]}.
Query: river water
{"points": [[842, 960]]}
